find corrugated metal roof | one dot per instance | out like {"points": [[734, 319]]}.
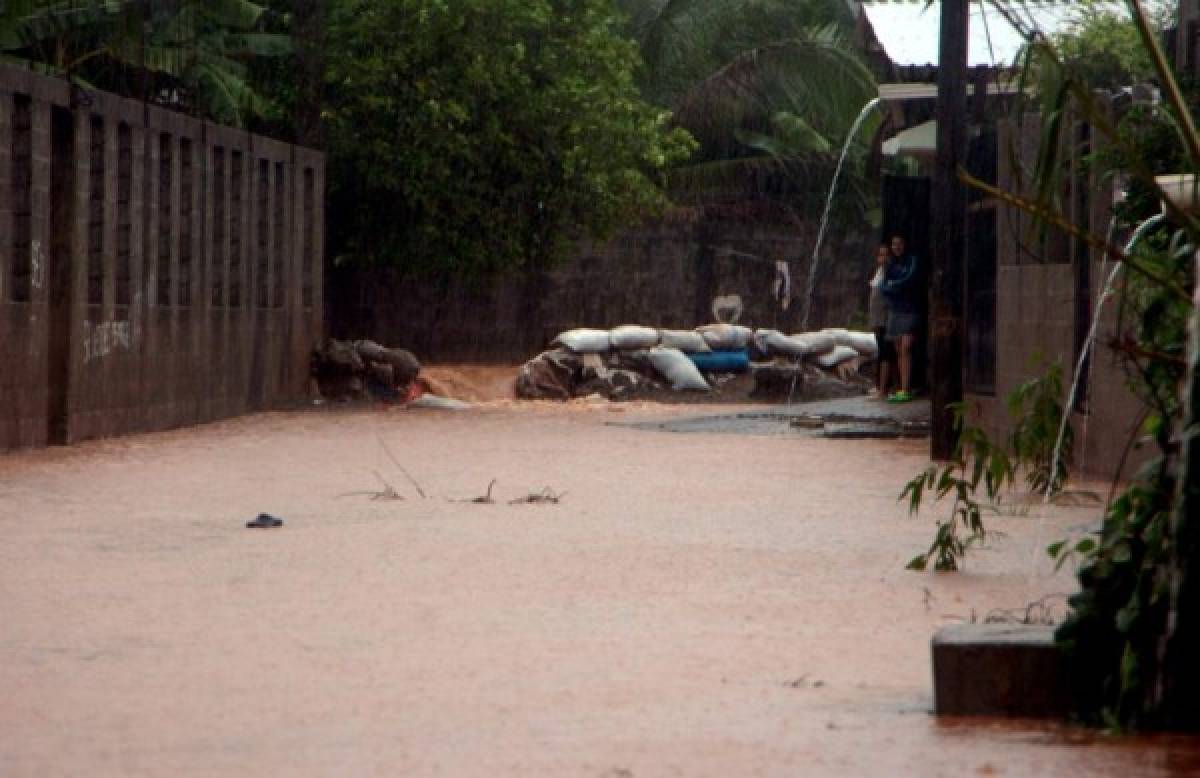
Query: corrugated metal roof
{"points": [[914, 140], [908, 30], [925, 91]]}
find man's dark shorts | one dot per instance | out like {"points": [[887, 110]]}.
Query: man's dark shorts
{"points": [[887, 349], [901, 323]]}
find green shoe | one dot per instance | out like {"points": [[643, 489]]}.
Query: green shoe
{"points": [[900, 397]]}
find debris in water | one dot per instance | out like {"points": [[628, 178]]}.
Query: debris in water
{"points": [[437, 403], [486, 499], [1039, 612], [264, 521], [547, 495], [400, 467], [362, 369], [803, 683], [387, 493]]}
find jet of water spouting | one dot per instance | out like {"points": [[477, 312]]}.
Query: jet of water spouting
{"points": [[812, 273], [1109, 283], [1083, 435]]}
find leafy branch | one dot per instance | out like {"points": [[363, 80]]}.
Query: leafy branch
{"points": [[976, 461]]}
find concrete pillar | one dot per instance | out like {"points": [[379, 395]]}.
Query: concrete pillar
{"points": [[219, 266], [137, 265], [77, 385], [6, 109], [153, 385], [318, 232], [40, 201], [109, 198], [948, 235]]}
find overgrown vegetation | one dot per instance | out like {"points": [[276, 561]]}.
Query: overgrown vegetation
{"points": [[1036, 408], [1133, 631], [191, 55], [469, 137], [976, 461], [1102, 49], [769, 88], [488, 133], [1036, 411]]}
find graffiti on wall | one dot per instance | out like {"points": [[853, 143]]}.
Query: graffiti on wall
{"points": [[100, 340], [36, 266]]}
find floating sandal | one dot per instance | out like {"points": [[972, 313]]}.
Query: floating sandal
{"points": [[264, 521], [900, 397]]}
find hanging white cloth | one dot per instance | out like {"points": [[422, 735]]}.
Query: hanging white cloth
{"points": [[783, 284]]}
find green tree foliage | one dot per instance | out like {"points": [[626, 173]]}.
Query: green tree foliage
{"points": [[769, 88], [976, 461], [483, 134], [186, 54], [1099, 46], [1102, 48]]}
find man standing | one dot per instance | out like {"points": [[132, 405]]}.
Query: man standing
{"points": [[877, 313], [902, 288]]}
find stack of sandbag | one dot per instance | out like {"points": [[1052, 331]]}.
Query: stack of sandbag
{"points": [[616, 363], [360, 369], [663, 353], [619, 361]]}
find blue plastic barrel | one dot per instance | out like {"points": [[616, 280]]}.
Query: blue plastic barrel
{"points": [[722, 361]]}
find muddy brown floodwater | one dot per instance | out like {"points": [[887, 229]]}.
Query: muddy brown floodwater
{"points": [[695, 605]]}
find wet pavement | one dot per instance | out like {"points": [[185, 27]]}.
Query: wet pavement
{"points": [[846, 417], [699, 605]]}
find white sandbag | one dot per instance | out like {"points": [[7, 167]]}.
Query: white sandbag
{"points": [[631, 337], [774, 343], [584, 341], [673, 365], [815, 343], [862, 342], [725, 337], [687, 341], [835, 357]]}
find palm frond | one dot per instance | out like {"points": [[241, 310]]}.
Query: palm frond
{"points": [[684, 41], [198, 49]]}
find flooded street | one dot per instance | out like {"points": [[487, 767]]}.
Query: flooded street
{"points": [[695, 604]]}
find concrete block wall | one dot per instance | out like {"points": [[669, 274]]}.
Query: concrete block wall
{"points": [[178, 253], [1042, 302], [26, 106], [662, 274]]}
